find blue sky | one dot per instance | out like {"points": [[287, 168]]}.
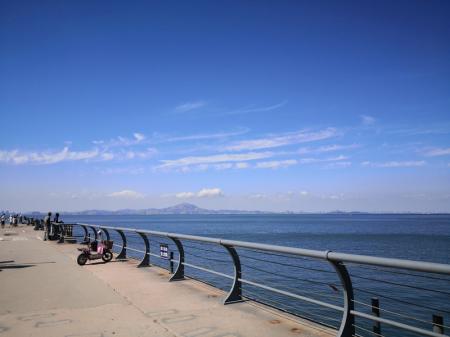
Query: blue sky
{"points": [[282, 105]]}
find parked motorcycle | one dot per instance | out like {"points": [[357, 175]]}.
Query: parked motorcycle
{"points": [[101, 250]]}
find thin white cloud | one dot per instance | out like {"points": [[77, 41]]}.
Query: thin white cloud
{"points": [[394, 164], [250, 109], [138, 138], [322, 160], [283, 140], [275, 164], [189, 106], [204, 136], [46, 157], [435, 152], [98, 153], [126, 194], [327, 148], [218, 158], [339, 164], [143, 154], [123, 170], [367, 120], [203, 193]]}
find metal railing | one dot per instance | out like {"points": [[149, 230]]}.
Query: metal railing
{"points": [[338, 261]]}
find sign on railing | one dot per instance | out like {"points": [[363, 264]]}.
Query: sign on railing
{"points": [[164, 251]]}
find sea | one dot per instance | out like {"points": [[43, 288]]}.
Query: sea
{"points": [[411, 298]]}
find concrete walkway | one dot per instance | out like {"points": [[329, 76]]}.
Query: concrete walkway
{"points": [[43, 292]]}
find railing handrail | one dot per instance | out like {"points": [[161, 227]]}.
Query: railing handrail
{"points": [[421, 266], [336, 259]]}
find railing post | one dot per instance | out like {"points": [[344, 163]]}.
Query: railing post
{"points": [[171, 262], [95, 232], [123, 252], [376, 328], [106, 233], [347, 328], [438, 324], [235, 293], [85, 233], [146, 260], [179, 273]]}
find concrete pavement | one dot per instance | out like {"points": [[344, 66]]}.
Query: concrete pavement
{"points": [[43, 292]]}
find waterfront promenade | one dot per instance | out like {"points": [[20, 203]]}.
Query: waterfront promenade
{"points": [[43, 292]]}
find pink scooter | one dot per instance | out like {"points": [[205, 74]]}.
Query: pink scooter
{"points": [[101, 250]]}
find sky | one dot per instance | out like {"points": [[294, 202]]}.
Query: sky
{"points": [[269, 105]]}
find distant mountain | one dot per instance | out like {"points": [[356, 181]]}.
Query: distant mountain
{"points": [[184, 208]]}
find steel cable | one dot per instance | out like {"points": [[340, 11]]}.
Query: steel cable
{"points": [[400, 314], [401, 301]]}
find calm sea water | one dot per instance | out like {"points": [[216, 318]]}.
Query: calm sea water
{"points": [[408, 236]]}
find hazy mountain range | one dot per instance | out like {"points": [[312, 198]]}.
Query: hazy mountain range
{"points": [[184, 208]]}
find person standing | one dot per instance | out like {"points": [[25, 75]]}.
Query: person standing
{"points": [[2, 220], [47, 220]]}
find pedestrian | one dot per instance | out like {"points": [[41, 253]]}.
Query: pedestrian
{"points": [[47, 226], [2, 220]]}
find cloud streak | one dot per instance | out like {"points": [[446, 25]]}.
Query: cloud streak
{"points": [[213, 159], [205, 136], [138, 138], [189, 106], [276, 164], [47, 157], [327, 148], [394, 164], [252, 109], [282, 140], [436, 152]]}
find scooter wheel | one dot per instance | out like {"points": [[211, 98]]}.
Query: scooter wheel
{"points": [[107, 256], [82, 259]]}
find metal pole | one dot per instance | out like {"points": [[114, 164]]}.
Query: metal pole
{"points": [[347, 328], [179, 273], [123, 252], [171, 262], [86, 234], [95, 232], [146, 259], [235, 293], [376, 328], [438, 322], [106, 233]]}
